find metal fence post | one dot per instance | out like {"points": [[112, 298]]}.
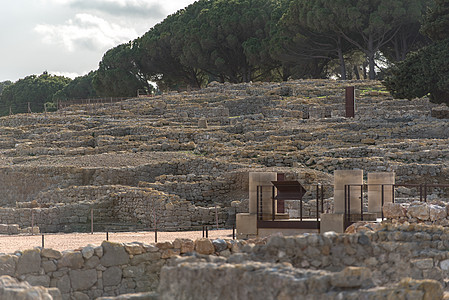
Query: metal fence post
{"points": [[32, 222], [92, 221]]}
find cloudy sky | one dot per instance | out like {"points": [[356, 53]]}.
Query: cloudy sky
{"points": [[69, 37]]}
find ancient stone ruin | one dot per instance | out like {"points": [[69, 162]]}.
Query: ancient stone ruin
{"points": [[180, 161]]}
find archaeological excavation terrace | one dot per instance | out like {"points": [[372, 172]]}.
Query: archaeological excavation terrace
{"points": [[279, 162]]}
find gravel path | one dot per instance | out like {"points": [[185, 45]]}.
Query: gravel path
{"points": [[72, 241]]}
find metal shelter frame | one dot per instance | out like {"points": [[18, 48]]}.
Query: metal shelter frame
{"points": [[302, 223]]}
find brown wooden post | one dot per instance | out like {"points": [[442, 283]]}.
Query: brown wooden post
{"points": [[350, 102], [29, 108]]}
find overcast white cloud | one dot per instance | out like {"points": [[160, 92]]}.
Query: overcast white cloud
{"points": [[86, 31], [70, 36]]}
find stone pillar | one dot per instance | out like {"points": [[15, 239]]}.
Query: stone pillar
{"points": [[342, 178], [261, 179], [375, 181]]}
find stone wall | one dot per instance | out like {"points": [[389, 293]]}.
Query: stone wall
{"points": [[327, 264], [392, 253], [107, 270], [250, 280], [431, 213], [69, 209], [23, 183]]}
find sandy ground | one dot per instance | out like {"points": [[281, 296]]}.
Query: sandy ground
{"points": [[72, 241]]}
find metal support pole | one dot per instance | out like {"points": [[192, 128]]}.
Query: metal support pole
{"points": [[233, 232], [322, 198], [32, 222], [317, 201], [425, 192], [257, 202], [382, 201], [392, 192], [216, 216], [361, 202], [43, 242], [420, 192], [92, 221], [155, 235], [272, 204], [207, 232], [349, 202], [107, 236], [346, 199], [203, 231]]}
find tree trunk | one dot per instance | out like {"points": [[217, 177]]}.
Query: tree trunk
{"points": [[396, 49], [371, 53], [356, 72], [364, 65], [404, 48], [342, 63]]}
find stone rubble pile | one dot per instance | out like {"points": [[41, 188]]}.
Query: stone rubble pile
{"points": [[430, 213]]}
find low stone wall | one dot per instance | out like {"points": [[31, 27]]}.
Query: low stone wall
{"points": [[383, 258], [107, 270], [250, 280], [392, 253], [432, 213], [69, 210]]}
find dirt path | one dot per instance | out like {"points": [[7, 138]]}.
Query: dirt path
{"points": [[72, 241]]}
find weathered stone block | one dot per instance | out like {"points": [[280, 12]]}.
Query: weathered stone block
{"points": [[29, 262], [146, 257], [114, 254], [424, 263], [352, 277], [88, 252], [185, 245], [134, 248], [12, 289], [92, 262], [8, 264], [393, 210], [419, 211], [134, 271], [204, 246], [50, 253], [437, 212], [38, 280], [72, 260], [170, 253], [220, 245], [82, 279], [49, 266], [165, 245], [112, 276]]}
